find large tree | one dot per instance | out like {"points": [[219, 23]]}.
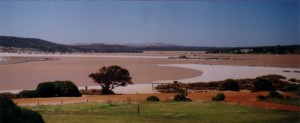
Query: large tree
{"points": [[110, 77]]}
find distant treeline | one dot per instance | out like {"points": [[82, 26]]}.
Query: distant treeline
{"points": [[33, 43], [288, 49], [17, 44]]}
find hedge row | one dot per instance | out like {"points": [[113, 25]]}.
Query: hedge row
{"points": [[52, 89]]}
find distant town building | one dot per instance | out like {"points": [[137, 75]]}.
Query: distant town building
{"points": [[246, 50]]}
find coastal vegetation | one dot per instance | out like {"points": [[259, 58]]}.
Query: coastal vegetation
{"points": [[10, 113], [218, 97], [111, 77], [263, 83], [48, 89], [230, 85], [153, 99]]}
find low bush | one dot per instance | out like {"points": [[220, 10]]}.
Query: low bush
{"points": [[28, 94], [180, 98], [291, 87], [66, 89], [10, 113], [262, 84], [153, 99], [275, 94], [8, 95], [292, 80], [261, 97], [46, 89], [273, 76], [218, 97], [229, 84]]}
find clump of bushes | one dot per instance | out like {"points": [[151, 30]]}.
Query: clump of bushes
{"points": [[28, 94], [46, 89], [8, 95], [261, 97], [292, 80], [291, 87], [275, 94], [272, 94], [180, 98], [153, 99], [262, 84], [10, 113], [218, 97], [273, 76], [58, 88], [229, 84], [66, 89], [52, 89]]}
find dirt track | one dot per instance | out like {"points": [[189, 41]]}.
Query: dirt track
{"points": [[241, 98]]}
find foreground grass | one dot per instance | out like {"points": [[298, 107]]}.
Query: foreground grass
{"points": [[162, 112], [293, 101]]}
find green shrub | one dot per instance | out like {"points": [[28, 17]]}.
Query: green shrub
{"points": [[10, 113], [229, 84], [8, 95], [218, 97], [261, 97], [66, 89], [273, 76], [153, 98], [180, 97], [46, 89], [292, 80], [291, 87], [262, 84], [275, 94], [28, 94]]}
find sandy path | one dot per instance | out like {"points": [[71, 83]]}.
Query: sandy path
{"points": [[241, 98]]}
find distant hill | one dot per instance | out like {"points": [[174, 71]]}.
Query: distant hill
{"points": [[47, 46], [100, 47], [34, 43]]}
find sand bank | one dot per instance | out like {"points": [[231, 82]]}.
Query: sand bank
{"points": [[214, 73], [222, 72]]}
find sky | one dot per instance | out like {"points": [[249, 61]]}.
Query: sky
{"points": [[217, 23]]}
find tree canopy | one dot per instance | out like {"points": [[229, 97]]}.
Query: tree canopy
{"points": [[110, 77]]}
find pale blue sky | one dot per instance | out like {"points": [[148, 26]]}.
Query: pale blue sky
{"points": [[192, 23]]}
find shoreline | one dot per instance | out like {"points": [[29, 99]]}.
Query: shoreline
{"points": [[237, 72]]}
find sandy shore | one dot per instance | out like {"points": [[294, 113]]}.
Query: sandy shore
{"points": [[144, 67], [27, 75]]}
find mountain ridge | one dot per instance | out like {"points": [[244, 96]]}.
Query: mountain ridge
{"points": [[47, 46]]}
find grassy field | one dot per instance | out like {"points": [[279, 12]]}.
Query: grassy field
{"points": [[162, 112], [293, 101]]}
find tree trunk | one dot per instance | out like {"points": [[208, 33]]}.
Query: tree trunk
{"points": [[107, 91]]}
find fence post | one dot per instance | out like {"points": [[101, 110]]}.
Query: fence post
{"points": [[61, 102], [138, 109], [38, 103]]}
